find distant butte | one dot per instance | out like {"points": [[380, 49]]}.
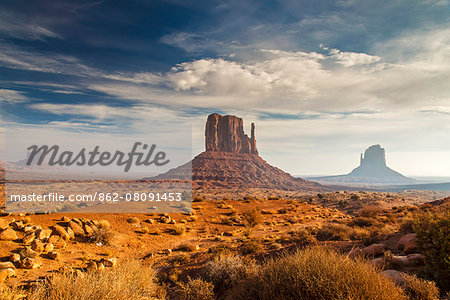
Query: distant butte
{"points": [[231, 160], [372, 170]]}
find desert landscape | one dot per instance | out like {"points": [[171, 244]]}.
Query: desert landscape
{"points": [[224, 150], [243, 239]]}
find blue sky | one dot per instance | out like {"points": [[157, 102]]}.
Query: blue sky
{"points": [[322, 80]]}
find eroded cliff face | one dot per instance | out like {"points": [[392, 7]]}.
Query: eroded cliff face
{"points": [[226, 134]]}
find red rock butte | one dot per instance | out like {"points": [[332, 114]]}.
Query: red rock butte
{"points": [[231, 160]]}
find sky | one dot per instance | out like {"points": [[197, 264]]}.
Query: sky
{"points": [[322, 80]]}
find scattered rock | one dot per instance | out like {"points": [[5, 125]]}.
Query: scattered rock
{"points": [[77, 229], [65, 219], [37, 246], [373, 250], [379, 262], [54, 255], [92, 265], [29, 263], [410, 246], [70, 233], [88, 230], [27, 252], [404, 239], [4, 224], [42, 234], [17, 225], [8, 235], [48, 247], [5, 273], [14, 257], [109, 262], [59, 230], [28, 239], [7, 265]]}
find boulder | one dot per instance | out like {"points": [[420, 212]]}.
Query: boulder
{"points": [[37, 246], [7, 265], [5, 273], [14, 257], [17, 225], [59, 230], [379, 262], [70, 233], [404, 239], [27, 252], [410, 246], [77, 229], [28, 239], [8, 235], [42, 234], [29, 263], [373, 250], [48, 247], [88, 230], [3, 224], [54, 255]]}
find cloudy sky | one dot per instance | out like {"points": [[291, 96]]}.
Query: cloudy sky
{"points": [[322, 80]]}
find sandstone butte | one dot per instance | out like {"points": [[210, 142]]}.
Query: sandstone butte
{"points": [[231, 160]]}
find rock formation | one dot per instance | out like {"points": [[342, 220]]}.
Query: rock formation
{"points": [[231, 160], [372, 170], [226, 133]]}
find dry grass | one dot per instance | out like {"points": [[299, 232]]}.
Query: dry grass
{"points": [[316, 273], [195, 289], [419, 289], [130, 280], [252, 217], [104, 236], [224, 272]]}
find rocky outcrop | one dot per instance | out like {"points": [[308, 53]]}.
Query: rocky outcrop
{"points": [[372, 170], [226, 133], [231, 160]]}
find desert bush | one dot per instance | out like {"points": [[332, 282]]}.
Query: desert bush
{"points": [[433, 240], [364, 222], [195, 289], [198, 199], [420, 289], [224, 272], [252, 245], [102, 235], [104, 223], [252, 217], [302, 237], [130, 280], [179, 229], [333, 232], [316, 273], [190, 247]]}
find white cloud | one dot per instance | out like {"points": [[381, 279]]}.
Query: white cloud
{"points": [[12, 96]]}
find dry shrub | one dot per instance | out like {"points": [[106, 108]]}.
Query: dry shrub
{"points": [[316, 273], [130, 280], [104, 223], [433, 240], [252, 245], [190, 247], [334, 232], [302, 237], [252, 217], [224, 272], [195, 289], [11, 292], [420, 289], [179, 229], [104, 236]]}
